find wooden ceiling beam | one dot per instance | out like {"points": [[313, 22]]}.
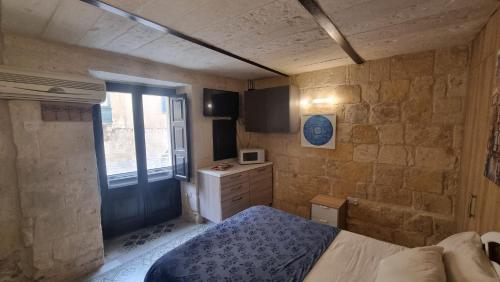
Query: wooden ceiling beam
{"points": [[327, 24]]}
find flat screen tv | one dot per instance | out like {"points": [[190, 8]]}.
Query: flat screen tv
{"points": [[224, 137], [219, 103]]}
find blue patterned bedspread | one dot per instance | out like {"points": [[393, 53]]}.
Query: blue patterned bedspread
{"points": [[257, 244]]}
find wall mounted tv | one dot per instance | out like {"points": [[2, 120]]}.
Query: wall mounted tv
{"points": [[219, 103]]}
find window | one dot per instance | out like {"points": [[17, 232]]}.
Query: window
{"points": [[140, 160], [157, 133], [136, 134], [119, 140]]}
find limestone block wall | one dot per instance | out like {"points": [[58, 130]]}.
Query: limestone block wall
{"points": [[11, 246], [49, 202], [29, 53], [399, 139], [59, 199]]}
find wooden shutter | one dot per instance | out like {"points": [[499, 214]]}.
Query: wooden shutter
{"points": [[179, 123]]}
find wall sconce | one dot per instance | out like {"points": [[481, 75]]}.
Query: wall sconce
{"points": [[306, 102], [328, 100]]}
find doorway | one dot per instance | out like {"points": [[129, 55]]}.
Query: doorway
{"points": [[141, 138]]}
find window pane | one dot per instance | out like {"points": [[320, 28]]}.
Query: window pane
{"points": [[119, 140], [157, 131]]}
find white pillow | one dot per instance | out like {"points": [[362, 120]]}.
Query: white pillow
{"points": [[468, 262], [455, 240], [422, 264]]}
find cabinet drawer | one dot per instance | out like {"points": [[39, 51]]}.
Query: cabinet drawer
{"points": [[261, 189], [261, 177], [324, 215], [268, 169], [234, 179], [263, 184], [325, 221], [235, 204], [262, 197], [227, 191]]}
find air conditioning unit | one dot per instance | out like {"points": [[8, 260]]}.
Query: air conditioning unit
{"points": [[30, 85]]}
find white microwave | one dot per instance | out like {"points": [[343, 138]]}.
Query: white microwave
{"points": [[251, 156]]}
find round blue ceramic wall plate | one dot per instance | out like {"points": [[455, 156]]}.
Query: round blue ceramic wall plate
{"points": [[318, 130]]}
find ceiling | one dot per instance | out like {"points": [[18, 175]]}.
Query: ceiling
{"points": [[279, 34]]}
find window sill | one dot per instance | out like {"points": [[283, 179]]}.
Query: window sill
{"points": [[130, 178]]}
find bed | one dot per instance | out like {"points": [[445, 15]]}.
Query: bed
{"points": [[349, 253], [265, 244], [257, 244]]}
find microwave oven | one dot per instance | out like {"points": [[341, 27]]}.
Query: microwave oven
{"points": [[251, 156]]}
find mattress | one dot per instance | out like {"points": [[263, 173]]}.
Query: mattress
{"points": [[351, 257], [257, 244]]}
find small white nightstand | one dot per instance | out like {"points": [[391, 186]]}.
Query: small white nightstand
{"points": [[329, 210]]}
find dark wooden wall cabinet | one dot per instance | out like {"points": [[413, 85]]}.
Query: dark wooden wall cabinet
{"points": [[273, 109]]}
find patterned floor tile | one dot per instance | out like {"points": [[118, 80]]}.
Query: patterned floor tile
{"points": [[129, 257]]}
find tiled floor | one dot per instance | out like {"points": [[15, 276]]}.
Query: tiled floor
{"points": [[128, 257]]}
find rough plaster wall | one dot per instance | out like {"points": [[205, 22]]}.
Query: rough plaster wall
{"points": [[12, 253], [57, 182], [11, 247], [56, 161], [399, 132], [35, 54]]}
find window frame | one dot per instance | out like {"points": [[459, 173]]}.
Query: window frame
{"points": [[141, 176], [106, 106]]}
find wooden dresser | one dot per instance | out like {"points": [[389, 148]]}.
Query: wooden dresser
{"points": [[225, 193]]}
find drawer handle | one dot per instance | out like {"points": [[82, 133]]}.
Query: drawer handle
{"points": [[236, 188], [261, 169], [235, 176], [237, 199], [323, 220]]}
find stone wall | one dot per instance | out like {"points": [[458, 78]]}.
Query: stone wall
{"points": [[11, 247], [57, 182], [52, 230], [399, 138], [29, 53]]}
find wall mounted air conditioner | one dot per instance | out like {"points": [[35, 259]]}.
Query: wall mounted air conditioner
{"points": [[31, 85]]}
